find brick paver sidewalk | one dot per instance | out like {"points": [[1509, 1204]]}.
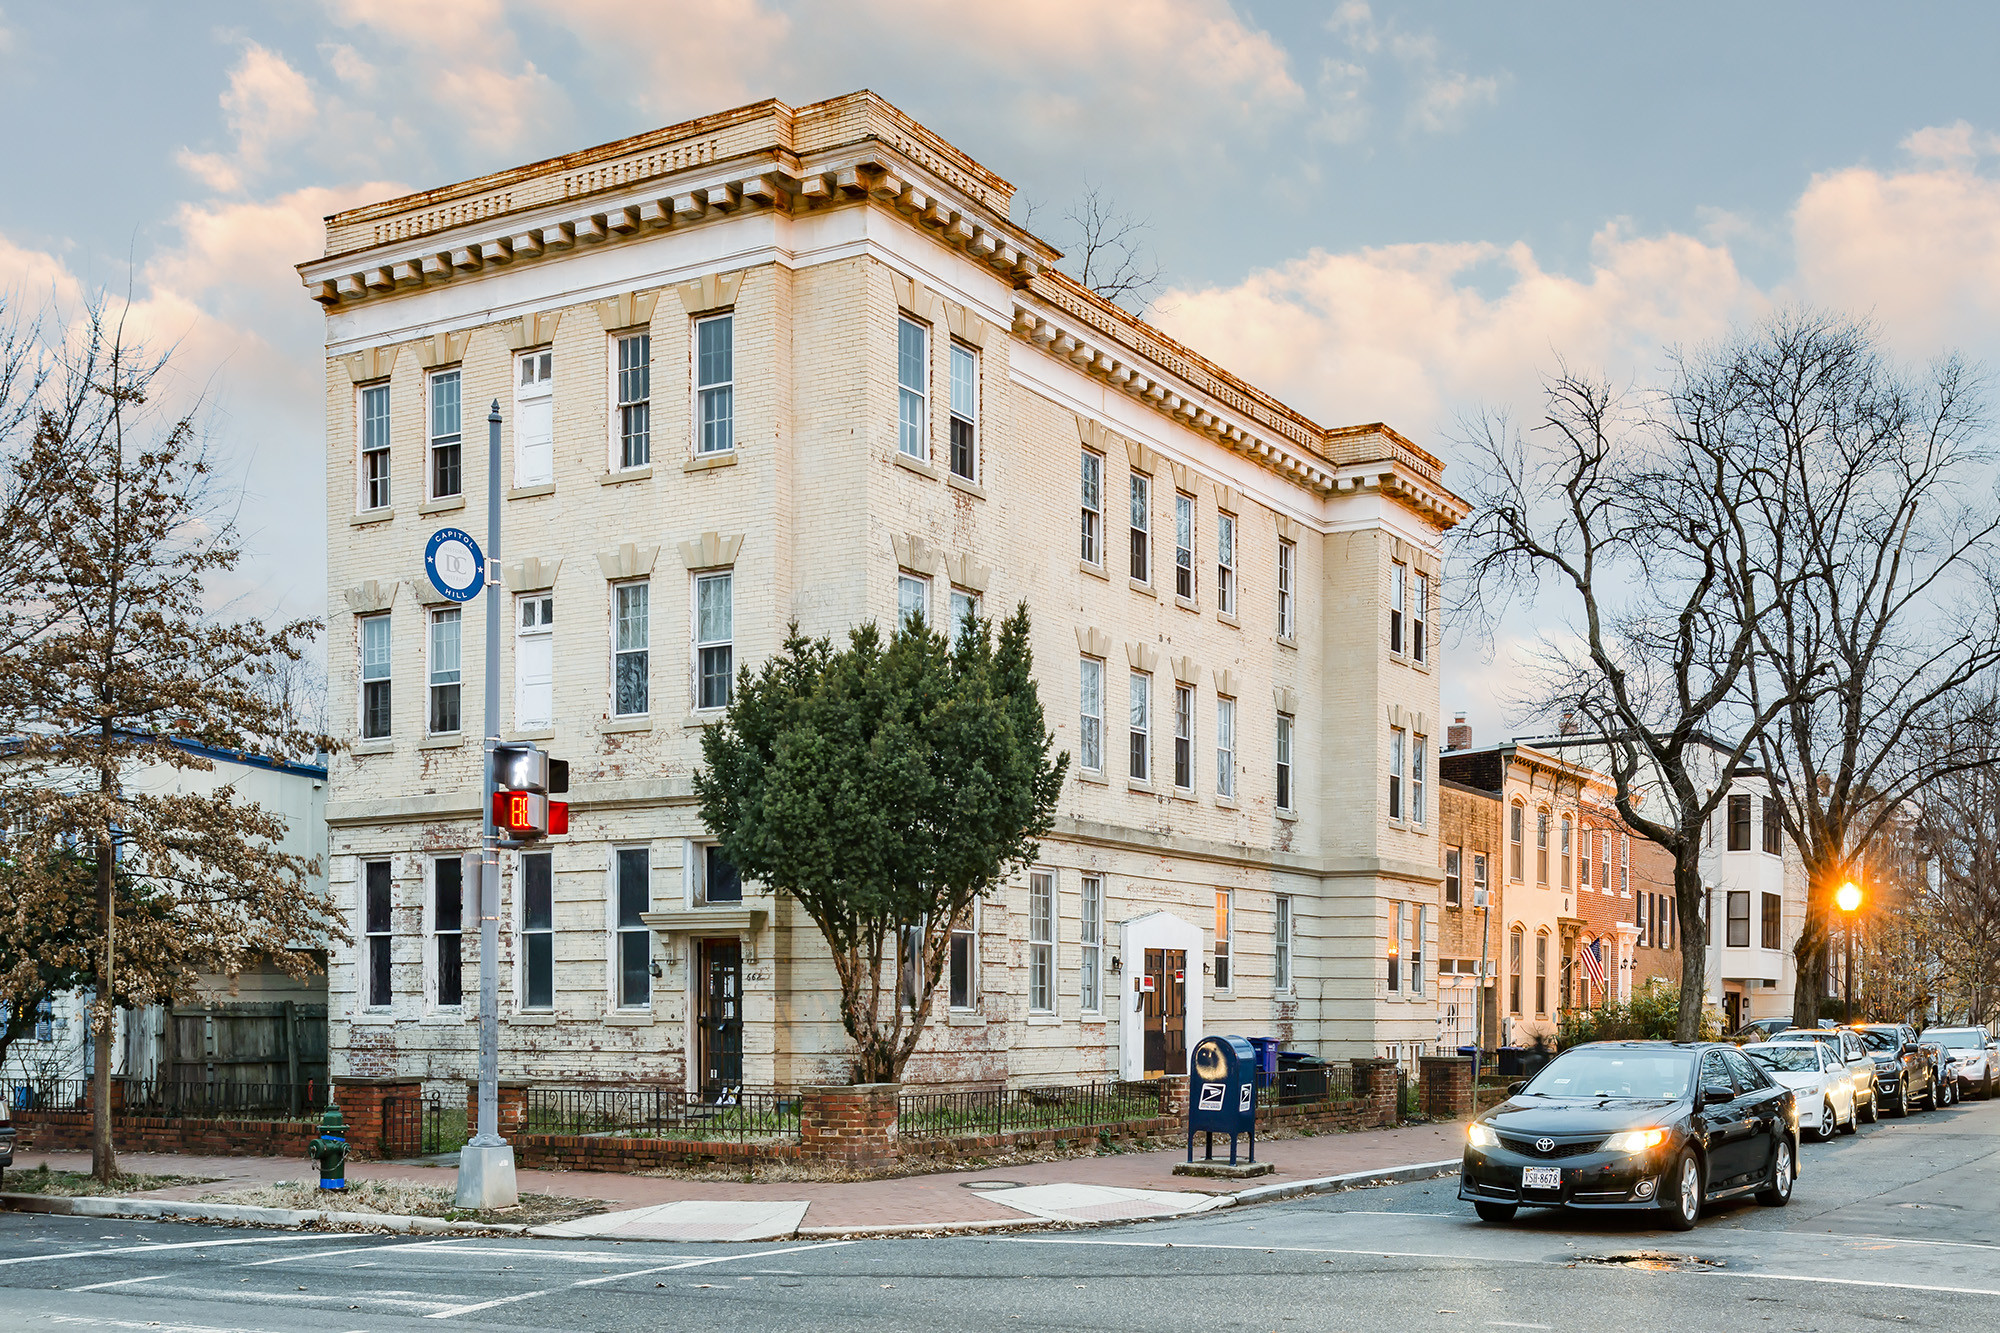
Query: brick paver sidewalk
{"points": [[904, 1201]]}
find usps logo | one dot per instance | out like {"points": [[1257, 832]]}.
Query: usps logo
{"points": [[1243, 1101], [1211, 1097]]}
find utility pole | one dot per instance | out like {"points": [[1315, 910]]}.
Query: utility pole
{"points": [[486, 1164]]}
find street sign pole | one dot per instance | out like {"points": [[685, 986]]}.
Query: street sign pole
{"points": [[486, 1164]]}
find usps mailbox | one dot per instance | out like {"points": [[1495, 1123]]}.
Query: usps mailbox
{"points": [[1222, 1094]]}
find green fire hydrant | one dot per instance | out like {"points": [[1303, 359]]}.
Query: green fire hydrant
{"points": [[330, 1149]]}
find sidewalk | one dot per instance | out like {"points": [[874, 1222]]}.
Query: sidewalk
{"points": [[1085, 1189]]}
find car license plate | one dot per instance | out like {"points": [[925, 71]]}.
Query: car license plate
{"points": [[1541, 1177]]}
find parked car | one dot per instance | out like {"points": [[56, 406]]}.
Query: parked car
{"points": [[1761, 1029], [1820, 1083], [1635, 1124], [1971, 1059], [1853, 1053], [1906, 1074]]}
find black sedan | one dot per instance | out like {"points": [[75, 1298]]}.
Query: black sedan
{"points": [[1635, 1124]]}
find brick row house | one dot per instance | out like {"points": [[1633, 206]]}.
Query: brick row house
{"points": [[791, 364]]}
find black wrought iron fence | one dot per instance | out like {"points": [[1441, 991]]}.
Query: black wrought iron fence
{"points": [[943, 1115], [665, 1113], [1309, 1083], [175, 1098], [422, 1126]]}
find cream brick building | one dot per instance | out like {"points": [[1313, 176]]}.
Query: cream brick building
{"points": [[786, 364]]}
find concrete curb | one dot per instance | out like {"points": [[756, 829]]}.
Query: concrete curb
{"points": [[1393, 1175], [291, 1218]]}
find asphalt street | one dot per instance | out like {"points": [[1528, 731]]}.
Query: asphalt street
{"points": [[1899, 1226]]}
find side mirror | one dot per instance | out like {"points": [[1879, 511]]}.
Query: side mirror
{"points": [[1514, 1088], [1714, 1094]]}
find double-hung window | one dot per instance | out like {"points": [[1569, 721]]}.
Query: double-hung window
{"points": [[1542, 972], [1288, 554], [1542, 846], [962, 982], [913, 599], [1773, 922], [635, 400], [377, 929], [447, 920], [444, 671], [1625, 863], [446, 477], [374, 677], [1774, 828], [374, 413], [1583, 857], [631, 655], [1225, 748], [715, 384], [634, 895], [964, 412], [1452, 861], [1141, 768], [1284, 761], [714, 639], [719, 880], [1399, 580], [1225, 564], [964, 614], [1516, 948], [1281, 945], [1419, 764], [1184, 737], [913, 430], [538, 952], [1516, 869], [1478, 877], [1394, 979], [1604, 862], [1563, 849], [534, 662], [1090, 721], [1042, 941], [1739, 822], [1419, 922], [1142, 528], [1184, 546], [1225, 939], [1092, 503], [1090, 931], [1739, 919], [534, 418], [1419, 608], [1396, 772]]}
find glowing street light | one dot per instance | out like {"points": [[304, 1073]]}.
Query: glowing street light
{"points": [[1848, 896]]}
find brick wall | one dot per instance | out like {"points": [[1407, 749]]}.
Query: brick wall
{"points": [[69, 1131], [1445, 1086]]}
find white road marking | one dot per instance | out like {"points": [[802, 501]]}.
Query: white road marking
{"points": [[152, 1326], [1502, 1323], [121, 1282], [184, 1245], [1855, 1282], [639, 1272], [316, 1254], [566, 1256]]}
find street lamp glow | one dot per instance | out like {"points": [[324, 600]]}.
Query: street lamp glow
{"points": [[1847, 896]]}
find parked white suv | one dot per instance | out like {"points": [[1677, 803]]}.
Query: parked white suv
{"points": [[1971, 1058], [1854, 1055]]}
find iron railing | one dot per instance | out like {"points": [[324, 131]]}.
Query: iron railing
{"points": [[175, 1099], [943, 1115], [664, 1113], [1303, 1084]]}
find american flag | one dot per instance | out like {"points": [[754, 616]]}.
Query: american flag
{"points": [[1593, 964]]}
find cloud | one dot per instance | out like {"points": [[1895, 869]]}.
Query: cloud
{"points": [[737, 40], [267, 105], [1438, 96]]}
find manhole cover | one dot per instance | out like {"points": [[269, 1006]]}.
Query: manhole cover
{"points": [[1658, 1260], [992, 1184]]}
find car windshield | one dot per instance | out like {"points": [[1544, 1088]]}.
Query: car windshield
{"points": [[1959, 1039], [1796, 1057], [1611, 1072], [1882, 1039], [1806, 1034]]}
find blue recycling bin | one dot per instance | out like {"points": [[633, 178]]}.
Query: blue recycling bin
{"points": [[1267, 1059]]}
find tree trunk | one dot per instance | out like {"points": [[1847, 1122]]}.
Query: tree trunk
{"points": [[1809, 951], [103, 1157], [1688, 897]]}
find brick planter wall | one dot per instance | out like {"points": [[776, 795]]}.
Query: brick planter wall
{"points": [[69, 1131], [1375, 1083], [1444, 1089], [360, 1101], [512, 1107], [853, 1125]]}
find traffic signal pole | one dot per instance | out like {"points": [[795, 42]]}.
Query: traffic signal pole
{"points": [[486, 1164]]}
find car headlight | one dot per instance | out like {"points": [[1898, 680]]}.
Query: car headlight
{"points": [[1479, 1136], [1635, 1140]]}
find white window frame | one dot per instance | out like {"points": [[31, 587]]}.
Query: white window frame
{"points": [[631, 400], [705, 640], [960, 601], [1582, 856], [1399, 579], [1183, 737], [1139, 732], [1420, 618], [968, 931], [1225, 941], [382, 667], [373, 940], [913, 402], [434, 937], [436, 440], [444, 669], [1286, 770], [1416, 956], [706, 391], [1090, 501], [1041, 941], [1517, 843], [1281, 943], [1225, 564], [523, 982], [1184, 538], [1420, 758], [1454, 877], [1393, 971], [534, 387], [1479, 875], [534, 619], [1396, 756], [1564, 833], [1287, 572], [1090, 935], [615, 908], [1141, 529], [912, 587], [1090, 671], [1225, 747], [640, 648], [1624, 865], [964, 409], [365, 501]]}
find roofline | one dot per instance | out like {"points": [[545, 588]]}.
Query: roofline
{"points": [[318, 772]]}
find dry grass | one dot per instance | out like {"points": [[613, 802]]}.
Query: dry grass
{"points": [[79, 1184], [405, 1198]]}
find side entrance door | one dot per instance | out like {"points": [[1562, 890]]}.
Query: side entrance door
{"points": [[720, 1017], [1166, 1012]]}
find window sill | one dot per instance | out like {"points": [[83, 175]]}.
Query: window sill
{"points": [[530, 492], [1183, 794], [619, 478], [371, 517], [703, 717], [971, 488], [1044, 1020], [1229, 620], [375, 1017], [1095, 571], [703, 462], [537, 734], [446, 1016], [611, 726], [965, 1018], [629, 1018], [1094, 779], [916, 465], [1139, 785], [1287, 641], [1186, 603], [371, 747], [532, 1020], [444, 506], [451, 742], [1139, 587], [1289, 816], [1226, 803], [1091, 1019]]}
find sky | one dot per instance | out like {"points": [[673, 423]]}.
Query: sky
{"points": [[1403, 213]]}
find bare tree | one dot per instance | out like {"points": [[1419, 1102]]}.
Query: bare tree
{"points": [[1625, 516], [1109, 252], [1958, 832]]}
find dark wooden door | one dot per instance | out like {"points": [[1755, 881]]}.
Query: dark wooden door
{"points": [[721, 1018], [1166, 1012]]}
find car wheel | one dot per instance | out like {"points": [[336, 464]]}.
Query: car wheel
{"points": [[1494, 1212], [1778, 1192], [1900, 1107], [1853, 1125], [1951, 1092], [1986, 1088], [1680, 1193], [1868, 1110], [1827, 1121]]}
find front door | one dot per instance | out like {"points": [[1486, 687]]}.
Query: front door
{"points": [[1166, 1012], [720, 1017]]}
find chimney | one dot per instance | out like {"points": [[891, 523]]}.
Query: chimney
{"points": [[1567, 726], [1458, 736]]}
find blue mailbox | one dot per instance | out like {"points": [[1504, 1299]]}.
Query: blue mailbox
{"points": [[1222, 1094]]}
